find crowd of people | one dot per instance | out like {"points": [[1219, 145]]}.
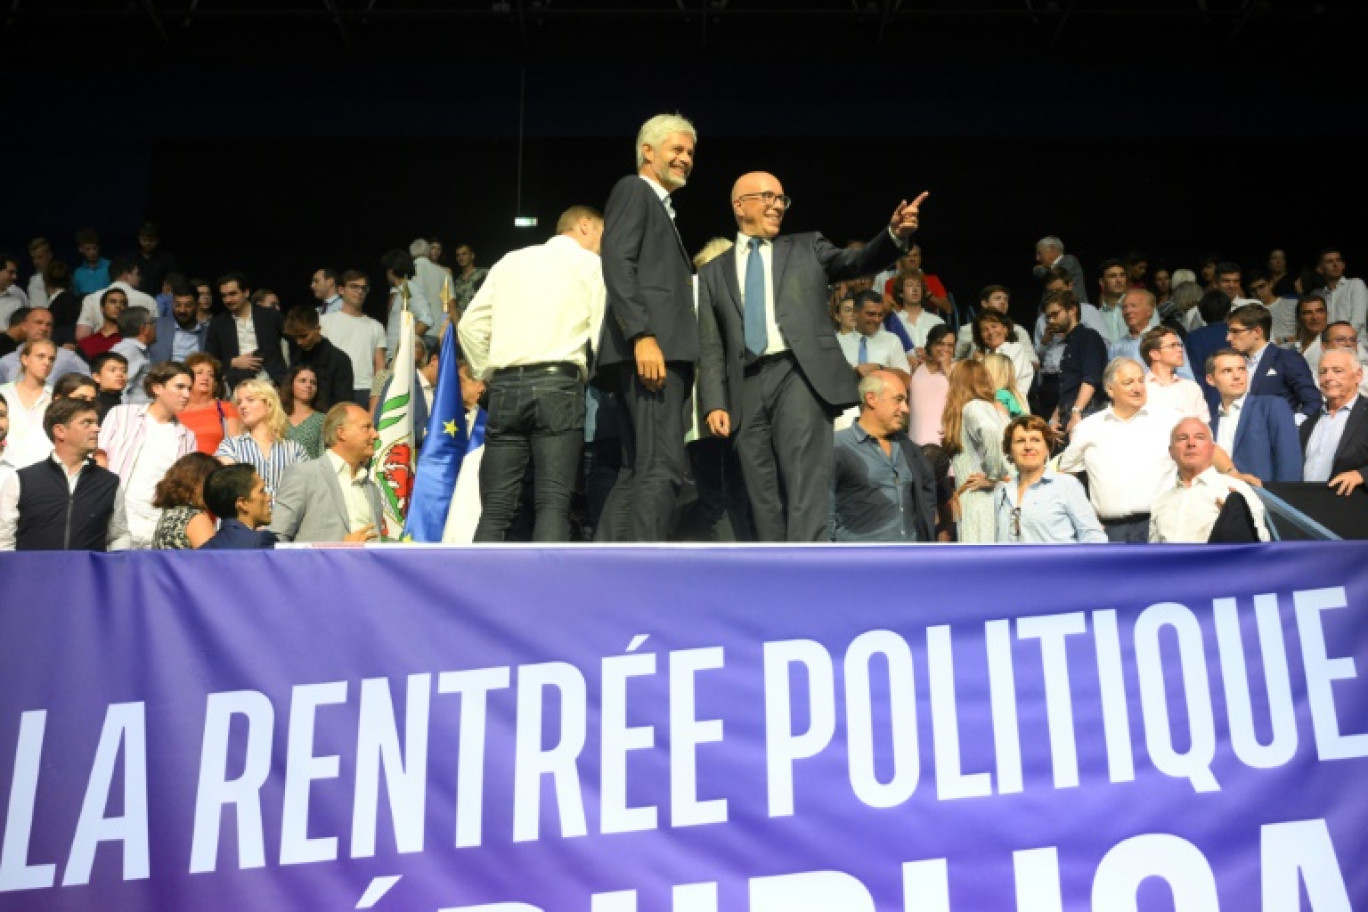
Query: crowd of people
{"points": [[774, 387]]}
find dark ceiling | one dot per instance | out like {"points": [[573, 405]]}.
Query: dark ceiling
{"points": [[671, 32]]}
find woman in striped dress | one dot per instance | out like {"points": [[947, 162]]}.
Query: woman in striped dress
{"points": [[263, 443]]}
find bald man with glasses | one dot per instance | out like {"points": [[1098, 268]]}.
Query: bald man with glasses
{"points": [[771, 369]]}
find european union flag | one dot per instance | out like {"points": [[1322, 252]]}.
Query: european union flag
{"points": [[444, 448]]}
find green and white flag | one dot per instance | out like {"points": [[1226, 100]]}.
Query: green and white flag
{"points": [[393, 466]]}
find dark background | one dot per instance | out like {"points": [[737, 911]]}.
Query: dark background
{"points": [[277, 138]]}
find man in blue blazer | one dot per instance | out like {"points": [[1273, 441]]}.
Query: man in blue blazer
{"points": [[1260, 434], [180, 333], [1273, 371], [649, 343]]}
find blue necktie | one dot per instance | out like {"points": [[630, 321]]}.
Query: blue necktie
{"points": [[864, 350], [756, 337]]}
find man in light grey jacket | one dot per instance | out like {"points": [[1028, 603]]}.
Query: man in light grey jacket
{"points": [[332, 498]]}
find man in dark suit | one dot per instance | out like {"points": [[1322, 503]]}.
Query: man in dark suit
{"points": [[1335, 439], [1050, 255], [1206, 340], [262, 326], [771, 366], [1273, 371], [1259, 433], [649, 341]]}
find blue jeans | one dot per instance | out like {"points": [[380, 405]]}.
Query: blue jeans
{"points": [[537, 416]]}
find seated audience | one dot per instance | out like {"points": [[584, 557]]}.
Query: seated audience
{"points": [[184, 522], [1204, 505], [1038, 504], [238, 495], [35, 323], [75, 386], [882, 488], [333, 498], [264, 441], [179, 333], [64, 502], [143, 441]]}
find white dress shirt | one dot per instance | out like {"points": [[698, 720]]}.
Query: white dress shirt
{"points": [[1186, 513], [882, 348], [1348, 301], [1127, 460], [1182, 396], [417, 305], [354, 488], [1230, 423], [1324, 441], [538, 305], [136, 353], [774, 337], [37, 291], [964, 341], [918, 326], [27, 442]]}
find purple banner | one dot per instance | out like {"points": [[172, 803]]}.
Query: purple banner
{"points": [[936, 729]]}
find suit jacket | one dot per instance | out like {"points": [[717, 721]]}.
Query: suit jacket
{"points": [[1201, 343], [648, 276], [309, 505], [160, 350], [1283, 372], [1266, 444], [1352, 452], [221, 341], [803, 266]]}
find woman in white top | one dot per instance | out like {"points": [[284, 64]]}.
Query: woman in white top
{"points": [[994, 332], [973, 441], [263, 443], [28, 398]]}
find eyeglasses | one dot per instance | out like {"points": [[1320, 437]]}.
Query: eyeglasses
{"points": [[769, 198], [1235, 330], [1016, 523], [354, 287]]}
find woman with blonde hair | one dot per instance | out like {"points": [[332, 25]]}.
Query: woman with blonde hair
{"points": [[1003, 374], [973, 428], [263, 442]]}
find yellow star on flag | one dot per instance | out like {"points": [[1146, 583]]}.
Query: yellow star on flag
{"points": [[449, 427]]}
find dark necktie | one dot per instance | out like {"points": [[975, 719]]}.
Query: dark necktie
{"points": [[756, 337]]}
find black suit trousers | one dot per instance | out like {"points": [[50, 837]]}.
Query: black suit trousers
{"points": [[786, 448], [654, 464]]}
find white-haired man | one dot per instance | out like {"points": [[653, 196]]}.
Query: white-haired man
{"points": [[1050, 254], [433, 279], [649, 342]]}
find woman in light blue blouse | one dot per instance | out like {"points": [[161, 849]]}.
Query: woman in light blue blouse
{"points": [[1038, 504]]}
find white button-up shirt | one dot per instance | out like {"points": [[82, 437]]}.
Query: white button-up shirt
{"points": [[1186, 513], [353, 486], [538, 305], [1127, 460]]}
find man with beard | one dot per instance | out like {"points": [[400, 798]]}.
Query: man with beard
{"points": [[179, 334]]}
